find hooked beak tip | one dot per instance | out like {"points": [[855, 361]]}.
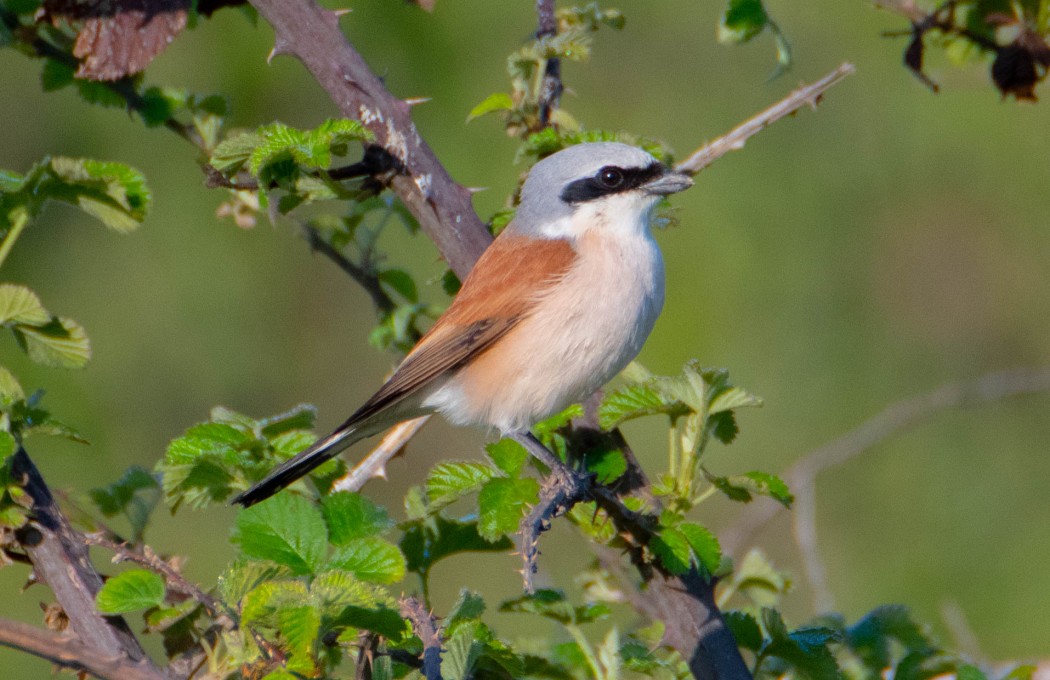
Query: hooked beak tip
{"points": [[670, 182]]}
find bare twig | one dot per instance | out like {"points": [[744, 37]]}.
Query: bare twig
{"points": [[374, 464], [734, 140], [443, 207], [67, 651], [426, 629], [60, 559], [801, 476], [122, 552], [369, 282]]}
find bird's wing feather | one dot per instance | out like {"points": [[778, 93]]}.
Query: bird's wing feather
{"points": [[515, 272]]}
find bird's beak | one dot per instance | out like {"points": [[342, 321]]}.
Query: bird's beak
{"points": [[670, 182]]}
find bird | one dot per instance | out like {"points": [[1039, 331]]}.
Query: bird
{"points": [[560, 302]]}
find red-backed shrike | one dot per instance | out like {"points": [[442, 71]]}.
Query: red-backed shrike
{"points": [[560, 302]]}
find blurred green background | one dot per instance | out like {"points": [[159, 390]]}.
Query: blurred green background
{"points": [[891, 241]]}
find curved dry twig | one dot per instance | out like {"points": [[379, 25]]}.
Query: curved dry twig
{"points": [[892, 420], [734, 140]]}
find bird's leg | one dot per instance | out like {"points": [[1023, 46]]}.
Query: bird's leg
{"points": [[541, 453]]}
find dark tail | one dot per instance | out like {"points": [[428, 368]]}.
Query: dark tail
{"points": [[294, 468]]}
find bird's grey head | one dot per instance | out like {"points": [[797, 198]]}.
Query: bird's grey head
{"points": [[585, 174]]}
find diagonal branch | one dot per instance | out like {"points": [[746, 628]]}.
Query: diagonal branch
{"points": [[68, 652], [734, 140], [60, 559]]}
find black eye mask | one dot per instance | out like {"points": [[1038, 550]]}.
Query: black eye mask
{"points": [[610, 180]]}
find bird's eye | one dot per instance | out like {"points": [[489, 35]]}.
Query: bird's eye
{"points": [[610, 177]]}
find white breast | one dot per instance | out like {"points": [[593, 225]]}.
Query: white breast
{"points": [[584, 332]]}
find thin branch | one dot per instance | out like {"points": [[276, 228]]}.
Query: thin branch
{"points": [[369, 282], [734, 140], [374, 464], [66, 651], [122, 552], [426, 629], [897, 417], [60, 559]]}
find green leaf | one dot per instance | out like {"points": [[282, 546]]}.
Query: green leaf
{"points": [[426, 542], [286, 529], [470, 605], [497, 101], [508, 455], [10, 389], [114, 193], [742, 487], [546, 602], [8, 445], [230, 156], [120, 495], [870, 638], [402, 282], [382, 620], [371, 559], [298, 418], [501, 505], [460, 654], [745, 629], [61, 343], [704, 545], [742, 21], [450, 481], [20, 305], [351, 516], [130, 591], [606, 463], [300, 627], [672, 548], [635, 401]]}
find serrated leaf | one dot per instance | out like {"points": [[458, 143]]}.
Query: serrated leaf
{"points": [[459, 656], [233, 152], [607, 464], [114, 193], [300, 417], [470, 605], [704, 545], [130, 591], [425, 543], [742, 487], [497, 101], [871, 637], [449, 481], [350, 516], [673, 549], [300, 627], [370, 559], [744, 628], [382, 620], [502, 503], [734, 397], [508, 455], [285, 529], [636, 401], [61, 343], [20, 305]]}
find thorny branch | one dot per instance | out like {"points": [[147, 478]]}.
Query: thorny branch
{"points": [[551, 87], [69, 652], [145, 557], [427, 631], [895, 418], [374, 464], [60, 559]]}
